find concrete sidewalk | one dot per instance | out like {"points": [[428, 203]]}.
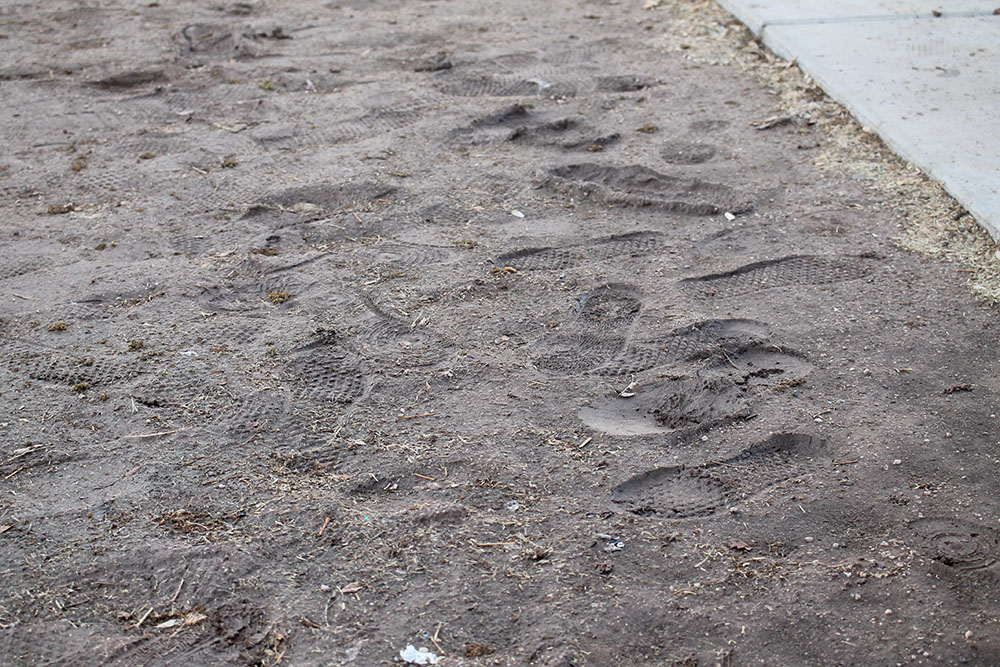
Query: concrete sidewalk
{"points": [[924, 77]]}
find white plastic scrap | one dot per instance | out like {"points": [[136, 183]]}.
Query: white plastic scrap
{"points": [[541, 83], [418, 656], [630, 390]]}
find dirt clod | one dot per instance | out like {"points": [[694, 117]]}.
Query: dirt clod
{"points": [[478, 650], [278, 296]]}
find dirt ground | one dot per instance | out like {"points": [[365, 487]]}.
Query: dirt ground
{"points": [[523, 333]]}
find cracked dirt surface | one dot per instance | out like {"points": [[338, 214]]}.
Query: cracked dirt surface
{"points": [[329, 328]]}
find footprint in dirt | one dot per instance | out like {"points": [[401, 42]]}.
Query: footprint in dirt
{"points": [[598, 331], [681, 492], [370, 123], [510, 75], [389, 251], [216, 41], [566, 133], [518, 125], [326, 372], [79, 371], [650, 351], [17, 265], [547, 258], [128, 80], [264, 411], [708, 125], [323, 196], [693, 403], [623, 83], [639, 186], [452, 82], [202, 577], [782, 272], [738, 370], [686, 152], [226, 41], [385, 339], [525, 74], [179, 391], [964, 546], [304, 439]]}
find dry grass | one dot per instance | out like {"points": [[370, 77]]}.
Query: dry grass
{"points": [[930, 220]]}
